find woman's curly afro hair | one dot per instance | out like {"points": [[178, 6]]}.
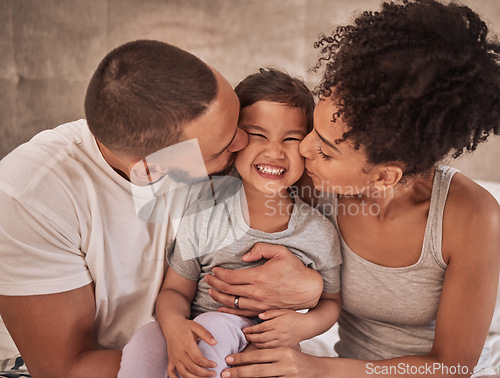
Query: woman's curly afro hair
{"points": [[413, 82]]}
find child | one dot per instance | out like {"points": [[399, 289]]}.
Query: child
{"points": [[276, 112]]}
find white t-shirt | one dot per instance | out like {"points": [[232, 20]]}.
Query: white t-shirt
{"points": [[68, 219]]}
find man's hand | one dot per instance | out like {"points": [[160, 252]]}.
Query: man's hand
{"points": [[282, 282]]}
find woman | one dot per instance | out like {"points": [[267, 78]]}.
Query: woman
{"points": [[403, 89]]}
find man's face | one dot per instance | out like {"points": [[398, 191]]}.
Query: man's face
{"points": [[216, 130], [214, 134]]}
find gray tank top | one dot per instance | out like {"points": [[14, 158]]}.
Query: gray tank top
{"points": [[390, 312]]}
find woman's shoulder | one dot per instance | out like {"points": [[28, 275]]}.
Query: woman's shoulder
{"points": [[466, 198], [471, 213]]}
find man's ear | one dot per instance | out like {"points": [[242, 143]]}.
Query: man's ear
{"points": [[388, 176]]}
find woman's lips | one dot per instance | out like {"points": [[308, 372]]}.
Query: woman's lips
{"points": [[309, 173]]}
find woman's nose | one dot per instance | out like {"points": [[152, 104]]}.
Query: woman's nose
{"points": [[306, 146], [240, 141]]}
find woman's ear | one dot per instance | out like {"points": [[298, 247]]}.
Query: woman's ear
{"points": [[388, 176]]}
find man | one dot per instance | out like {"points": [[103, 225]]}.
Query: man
{"points": [[81, 263]]}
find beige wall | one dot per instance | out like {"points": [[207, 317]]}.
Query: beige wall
{"points": [[49, 49]]}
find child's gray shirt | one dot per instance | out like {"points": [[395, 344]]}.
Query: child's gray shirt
{"points": [[217, 235]]}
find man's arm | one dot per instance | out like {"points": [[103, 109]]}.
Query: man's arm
{"points": [[282, 282], [54, 334]]}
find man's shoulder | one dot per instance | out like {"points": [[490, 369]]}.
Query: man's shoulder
{"points": [[48, 144], [50, 156], [65, 134]]}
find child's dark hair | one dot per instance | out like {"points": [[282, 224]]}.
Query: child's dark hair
{"points": [[413, 82], [276, 86]]}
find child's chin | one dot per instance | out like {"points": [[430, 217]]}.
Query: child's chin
{"points": [[275, 190]]}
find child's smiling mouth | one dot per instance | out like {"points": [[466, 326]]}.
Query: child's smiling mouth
{"points": [[268, 169]]}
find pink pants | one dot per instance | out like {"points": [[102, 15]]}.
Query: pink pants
{"points": [[145, 355]]}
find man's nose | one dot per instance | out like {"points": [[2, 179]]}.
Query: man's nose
{"points": [[240, 141]]}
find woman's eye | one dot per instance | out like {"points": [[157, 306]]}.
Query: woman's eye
{"points": [[322, 154]]}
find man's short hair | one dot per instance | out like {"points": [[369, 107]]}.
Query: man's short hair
{"points": [[143, 92]]}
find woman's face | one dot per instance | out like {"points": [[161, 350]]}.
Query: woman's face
{"points": [[336, 168]]}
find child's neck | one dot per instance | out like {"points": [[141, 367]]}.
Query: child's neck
{"points": [[266, 212]]}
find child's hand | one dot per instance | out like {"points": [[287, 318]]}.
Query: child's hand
{"points": [[184, 356], [280, 329]]}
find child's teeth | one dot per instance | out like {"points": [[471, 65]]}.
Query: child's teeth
{"points": [[270, 171]]}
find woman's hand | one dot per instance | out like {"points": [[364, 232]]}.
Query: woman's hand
{"points": [[184, 356], [282, 282], [279, 362], [281, 329]]}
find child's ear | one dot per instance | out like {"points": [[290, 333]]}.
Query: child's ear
{"points": [[388, 176]]}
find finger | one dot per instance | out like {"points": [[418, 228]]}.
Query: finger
{"points": [[201, 332], [244, 303], [262, 338], [264, 251], [197, 371], [271, 314], [193, 356], [260, 370], [182, 370], [229, 276], [189, 369], [258, 328], [220, 284], [257, 356], [198, 359], [171, 369], [240, 312], [251, 371], [268, 345]]}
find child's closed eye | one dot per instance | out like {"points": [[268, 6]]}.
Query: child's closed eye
{"points": [[257, 135]]}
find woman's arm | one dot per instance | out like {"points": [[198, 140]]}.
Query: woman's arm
{"points": [[322, 317], [290, 363], [471, 248], [282, 282]]}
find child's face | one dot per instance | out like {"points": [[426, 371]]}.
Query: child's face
{"points": [[271, 162]]}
